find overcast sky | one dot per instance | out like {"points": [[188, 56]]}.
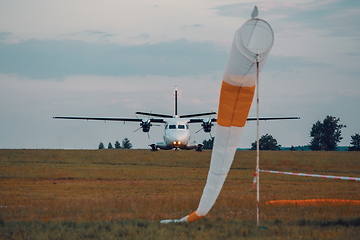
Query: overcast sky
{"points": [[111, 58]]}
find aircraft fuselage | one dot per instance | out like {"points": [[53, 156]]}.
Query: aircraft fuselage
{"points": [[177, 133]]}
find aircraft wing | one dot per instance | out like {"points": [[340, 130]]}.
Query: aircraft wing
{"points": [[272, 118], [160, 120], [102, 119], [113, 119], [198, 120]]}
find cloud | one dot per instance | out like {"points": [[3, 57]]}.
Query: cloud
{"points": [[289, 64], [142, 36], [234, 10], [4, 35], [191, 26], [100, 34], [90, 35], [8, 37], [338, 18], [335, 18], [58, 59]]}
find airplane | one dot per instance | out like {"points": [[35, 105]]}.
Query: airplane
{"points": [[177, 131]]}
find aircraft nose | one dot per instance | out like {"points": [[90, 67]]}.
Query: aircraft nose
{"points": [[177, 137]]}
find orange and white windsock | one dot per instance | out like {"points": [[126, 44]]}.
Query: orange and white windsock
{"points": [[251, 45]]}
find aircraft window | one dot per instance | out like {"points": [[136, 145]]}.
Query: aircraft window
{"points": [[172, 126], [181, 126]]}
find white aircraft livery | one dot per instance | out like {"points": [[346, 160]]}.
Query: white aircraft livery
{"points": [[177, 131]]}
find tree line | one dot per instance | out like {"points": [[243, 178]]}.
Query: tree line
{"points": [[126, 144], [325, 136]]}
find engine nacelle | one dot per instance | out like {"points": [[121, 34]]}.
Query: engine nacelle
{"points": [[145, 126], [207, 126]]}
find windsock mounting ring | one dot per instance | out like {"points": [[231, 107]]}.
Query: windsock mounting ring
{"points": [[255, 38]]}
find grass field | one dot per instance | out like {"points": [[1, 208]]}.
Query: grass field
{"points": [[105, 194]]}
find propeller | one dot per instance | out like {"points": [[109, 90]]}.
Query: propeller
{"points": [[145, 125], [206, 126]]}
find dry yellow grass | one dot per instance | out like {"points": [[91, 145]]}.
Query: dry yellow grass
{"points": [[127, 184], [83, 194]]}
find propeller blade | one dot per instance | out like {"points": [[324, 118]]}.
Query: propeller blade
{"points": [[138, 129], [199, 130], [148, 120]]}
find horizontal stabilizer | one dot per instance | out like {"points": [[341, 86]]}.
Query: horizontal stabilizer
{"points": [[197, 114], [154, 114]]}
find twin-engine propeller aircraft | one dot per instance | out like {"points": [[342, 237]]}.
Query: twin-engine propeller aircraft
{"points": [[177, 131]]}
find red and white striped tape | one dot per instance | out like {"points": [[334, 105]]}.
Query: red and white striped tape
{"points": [[308, 175]]}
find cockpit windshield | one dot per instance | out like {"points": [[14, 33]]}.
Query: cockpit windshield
{"points": [[179, 126]]}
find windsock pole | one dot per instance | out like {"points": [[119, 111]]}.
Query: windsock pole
{"points": [[257, 146]]}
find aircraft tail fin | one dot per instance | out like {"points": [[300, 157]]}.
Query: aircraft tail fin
{"points": [[175, 102]]}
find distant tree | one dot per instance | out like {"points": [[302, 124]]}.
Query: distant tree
{"points": [[355, 142], [208, 144], [110, 146], [126, 143], [117, 145], [101, 145], [292, 148], [326, 135], [266, 142]]}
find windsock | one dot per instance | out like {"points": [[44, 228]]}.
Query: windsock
{"points": [[250, 48]]}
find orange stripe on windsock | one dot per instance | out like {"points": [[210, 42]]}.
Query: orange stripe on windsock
{"points": [[193, 217], [234, 105]]}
